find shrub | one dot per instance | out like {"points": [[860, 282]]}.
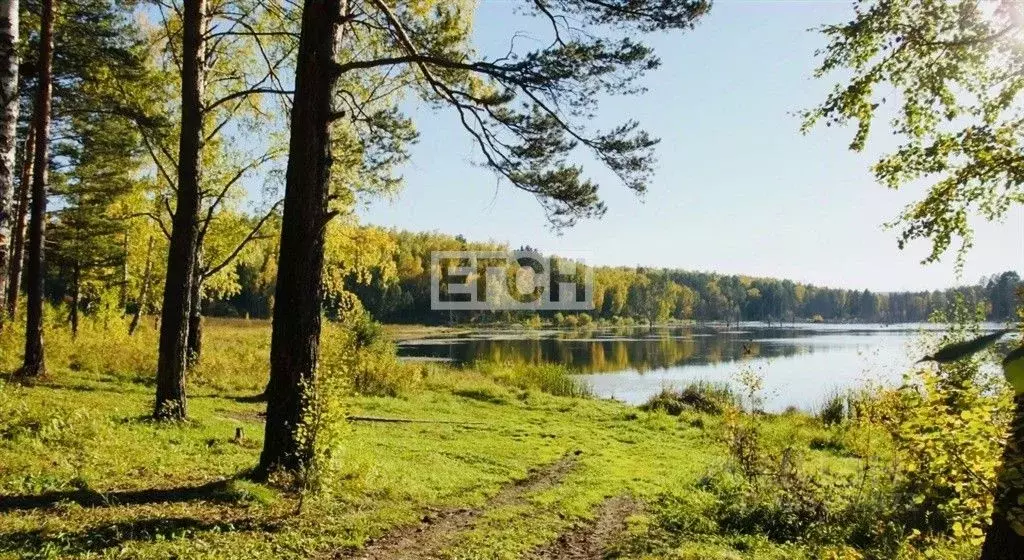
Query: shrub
{"points": [[558, 319], [533, 322], [323, 431], [699, 396], [364, 330], [921, 490], [358, 349], [833, 412], [771, 492], [948, 428]]}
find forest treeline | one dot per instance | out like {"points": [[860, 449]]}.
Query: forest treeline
{"points": [[402, 294], [398, 291], [392, 282]]}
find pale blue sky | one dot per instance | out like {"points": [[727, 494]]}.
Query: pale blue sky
{"points": [[738, 189]]}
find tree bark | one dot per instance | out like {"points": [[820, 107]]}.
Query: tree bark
{"points": [[8, 136], [18, 245], [35, 364], [173, 357], [143, 290], [295, 343], [1002, 541], [195, 316], [76, 279]]}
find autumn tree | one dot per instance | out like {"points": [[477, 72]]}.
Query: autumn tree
{"points": [[652, 297], [685, 302], [526, 112], [949, 77]]}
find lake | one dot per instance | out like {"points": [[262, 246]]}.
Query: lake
{"points": [[801, 364]]}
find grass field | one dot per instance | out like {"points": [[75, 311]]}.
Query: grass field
{"points": [[462, 463]]}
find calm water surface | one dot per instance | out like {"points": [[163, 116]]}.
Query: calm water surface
{"points": [[801, 364]]}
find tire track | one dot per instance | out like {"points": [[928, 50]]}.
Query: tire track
{"points": [[426, 539], [591, 541]]}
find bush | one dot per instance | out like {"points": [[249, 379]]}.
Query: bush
{"points": [[948, 428], [833, 412], [358, 349], [700, 396], [533, 322], [914, 479], [102, 346], [323, 432], [365, 331], [771, 492]]}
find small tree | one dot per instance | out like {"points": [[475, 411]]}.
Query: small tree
{"points": [[88, 232], [955, 71]]}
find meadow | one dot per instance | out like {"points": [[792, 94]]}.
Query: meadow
{"points": [[431, 461]]}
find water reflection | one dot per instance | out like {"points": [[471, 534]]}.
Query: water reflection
{"points": [[800, 364], [624, 349]]}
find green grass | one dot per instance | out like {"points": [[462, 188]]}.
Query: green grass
{"points": [[85, 473]]}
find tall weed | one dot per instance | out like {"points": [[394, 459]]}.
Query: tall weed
{"points": [[553, 379]]}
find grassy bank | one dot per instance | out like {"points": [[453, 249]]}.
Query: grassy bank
{"points": [[487, 462]]}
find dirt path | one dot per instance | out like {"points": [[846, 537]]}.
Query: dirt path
{"points": [[426, 539], [590, 541]]}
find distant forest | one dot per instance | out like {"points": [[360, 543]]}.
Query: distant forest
{"points": [[396, 289], [387, 272]]}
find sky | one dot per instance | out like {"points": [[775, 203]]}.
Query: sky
{"points": [[738, 189]]}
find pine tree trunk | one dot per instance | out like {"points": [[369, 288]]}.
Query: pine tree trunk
{"points": [[295, 343], [76, 279], [35, 365], [8, 136], [195, 316], [1002, 541], [18, 246], [143, 290], [173, 358]]}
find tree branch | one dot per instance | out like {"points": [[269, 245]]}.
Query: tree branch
{"points": [[248, 238]]}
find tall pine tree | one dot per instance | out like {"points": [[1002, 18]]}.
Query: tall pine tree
{"points": [[524, 111]]}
